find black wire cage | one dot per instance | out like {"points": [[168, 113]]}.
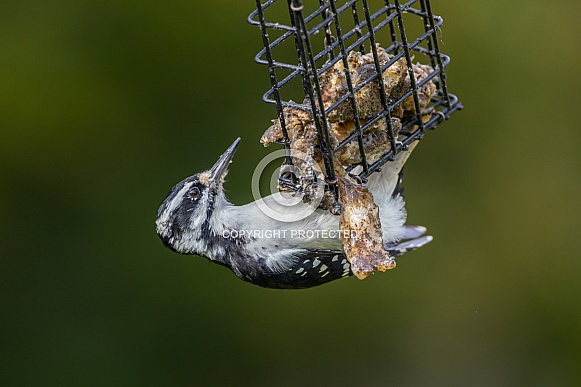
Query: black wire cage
{"points": [[313, 36]]}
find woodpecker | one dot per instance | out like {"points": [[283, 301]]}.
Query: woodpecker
{"points": [[196, 218]]}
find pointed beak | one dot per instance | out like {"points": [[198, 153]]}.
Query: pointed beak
{"points": [[219, 170]]}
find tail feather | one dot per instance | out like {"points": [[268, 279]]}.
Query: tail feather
{"points": [[411, 240], [411, 232]]}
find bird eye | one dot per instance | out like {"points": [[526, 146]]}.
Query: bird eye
{"points": [[194, 193]]}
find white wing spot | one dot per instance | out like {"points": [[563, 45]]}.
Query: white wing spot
{"points": [[324, 274], [343, 262], [316, 262], [323, 268], [300, 270], [335, 258]]}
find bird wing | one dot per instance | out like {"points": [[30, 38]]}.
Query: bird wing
{"points": [[312, 267], [315, 267]]}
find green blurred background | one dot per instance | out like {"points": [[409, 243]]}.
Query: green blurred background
{"points": [[104, 105]]}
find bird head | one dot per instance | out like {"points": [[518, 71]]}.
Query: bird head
{"points": [[185, 217]]}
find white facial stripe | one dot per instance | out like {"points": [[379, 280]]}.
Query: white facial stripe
{"points": [[176, 201]]}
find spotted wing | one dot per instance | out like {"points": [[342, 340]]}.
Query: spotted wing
{"points": [[313, 267]]}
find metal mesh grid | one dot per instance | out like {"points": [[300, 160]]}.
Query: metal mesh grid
{"points": [[325, 35]]}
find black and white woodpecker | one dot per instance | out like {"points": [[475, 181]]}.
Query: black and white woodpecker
{"points": [[196, 218]]}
